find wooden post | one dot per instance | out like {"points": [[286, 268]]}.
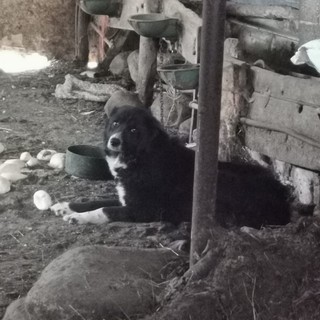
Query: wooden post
{"points": [[81, 34], [206, 167], [147, 69], [148, 49]]}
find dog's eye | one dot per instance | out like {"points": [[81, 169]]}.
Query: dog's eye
{"points": [[133, 130], [115, 124]]}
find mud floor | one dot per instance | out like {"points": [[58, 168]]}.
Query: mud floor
{"points": [[267, 274], [32, 119]]}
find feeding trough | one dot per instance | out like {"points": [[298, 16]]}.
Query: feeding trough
{"points": [[155, 25], [180, 76], [112, 8], [87, 162]]}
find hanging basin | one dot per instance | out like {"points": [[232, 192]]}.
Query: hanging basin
{"points": [[180, 76], [85, 161], [112, 8], [155, 25]]}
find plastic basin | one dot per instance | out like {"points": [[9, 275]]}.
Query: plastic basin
{"points": [[112, 8], [180, 76], [155, 25], [87, 162]]}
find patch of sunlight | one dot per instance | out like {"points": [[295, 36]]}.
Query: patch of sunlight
{"points": [[92, 64], [14, 61]]}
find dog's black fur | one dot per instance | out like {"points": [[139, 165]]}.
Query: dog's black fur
{"points": [[156, 173]]}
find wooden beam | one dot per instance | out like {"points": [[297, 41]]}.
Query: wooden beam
{"points": [[300, 118], [303, 91], [82, 20], [281, 146], [147, 69], [260, 11]]}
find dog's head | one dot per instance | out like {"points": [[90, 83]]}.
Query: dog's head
{"points": [[131, 131]]}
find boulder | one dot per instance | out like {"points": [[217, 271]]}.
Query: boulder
{"points": [[17, 311], [119, 64], [96, 283], [122, 98], [172, 115], [184, 127]]}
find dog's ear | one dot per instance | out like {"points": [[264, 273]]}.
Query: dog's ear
{"points": [[113, 111]]}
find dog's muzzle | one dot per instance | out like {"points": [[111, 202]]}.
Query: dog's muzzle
{"points": [[114, 142]]}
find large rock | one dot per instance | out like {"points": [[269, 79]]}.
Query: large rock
{"points": [[119, 64], [95, 283], [172, 115], [17, 311], [122, 98], [184, 127]]}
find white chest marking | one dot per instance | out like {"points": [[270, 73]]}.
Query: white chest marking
{"points": [[121, 194], [114, 164]]}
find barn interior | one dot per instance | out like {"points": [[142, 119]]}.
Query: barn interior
{"points": [[64, 66]]}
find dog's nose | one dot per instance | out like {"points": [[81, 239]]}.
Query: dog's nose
{"points": [[115, 142]]}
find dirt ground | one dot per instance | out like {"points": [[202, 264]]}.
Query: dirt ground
{"points": [[267, 274], [32, 119]]}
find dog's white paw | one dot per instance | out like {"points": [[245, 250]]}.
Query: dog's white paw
{"points": [[94, 217], [75, 218], [61, 209]]}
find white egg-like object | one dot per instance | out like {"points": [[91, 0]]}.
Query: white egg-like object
{"points": [[9, 167], [13, 176], [32, 162], [5, 185], [25, 156], [11, 170], [17, 162], [45, 154], [42, 200], [57, 161]]}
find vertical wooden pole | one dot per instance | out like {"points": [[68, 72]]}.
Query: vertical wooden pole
{"points": [[81, 34], [206, 168], [148, 49], [147, 69]]}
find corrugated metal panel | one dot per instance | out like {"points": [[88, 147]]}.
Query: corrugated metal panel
{"points": [[291, 3]]}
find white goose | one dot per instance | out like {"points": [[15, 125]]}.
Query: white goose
{"points": [[308, 53]]}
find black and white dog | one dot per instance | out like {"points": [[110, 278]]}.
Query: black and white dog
{"points": [[154, 181]]}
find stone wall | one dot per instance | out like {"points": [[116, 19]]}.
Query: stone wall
{"points": [[39, 25]]}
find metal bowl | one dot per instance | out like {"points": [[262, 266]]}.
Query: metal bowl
{"points": [[180, 76], [154, 25], [87, 162]]}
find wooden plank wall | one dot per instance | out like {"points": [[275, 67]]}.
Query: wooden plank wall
{"points": [[283, 118], [290, 3]]}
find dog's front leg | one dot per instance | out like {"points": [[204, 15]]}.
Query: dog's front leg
{"points": [[67, 208], [93, 217], [93, 205], [102, 215]]}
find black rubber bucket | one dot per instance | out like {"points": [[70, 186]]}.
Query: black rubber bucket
{"points": [[87, 162]]}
